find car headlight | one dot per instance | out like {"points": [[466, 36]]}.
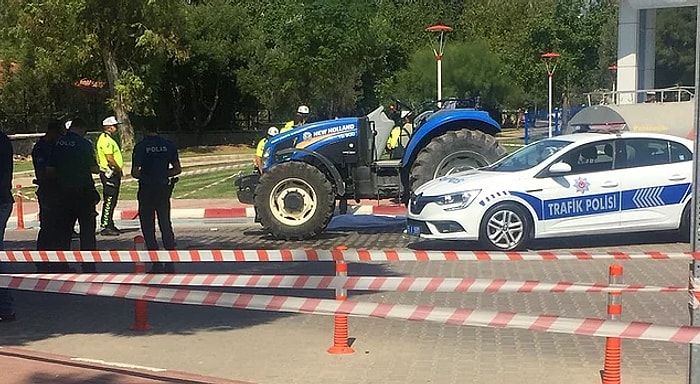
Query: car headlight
{"points": [[455, 201]]}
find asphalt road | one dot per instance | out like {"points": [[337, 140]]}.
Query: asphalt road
{"points": [[268, 347]]}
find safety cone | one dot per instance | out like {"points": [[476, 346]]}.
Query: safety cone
{"points": [[340, 322], [140, 306], [613, 350]]}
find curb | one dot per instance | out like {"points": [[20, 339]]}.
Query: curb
{"points": [[233, 213], [156, 374]]}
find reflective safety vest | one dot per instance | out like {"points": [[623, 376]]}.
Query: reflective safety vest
{"points": [[287, 126], [260, 147], [394, 138]]}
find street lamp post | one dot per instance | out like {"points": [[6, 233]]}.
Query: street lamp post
{"points": [[551, 62], [613, 96], [441, 29]]}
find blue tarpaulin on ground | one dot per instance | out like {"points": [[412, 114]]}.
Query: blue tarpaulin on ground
{"points": [[351, 222]]}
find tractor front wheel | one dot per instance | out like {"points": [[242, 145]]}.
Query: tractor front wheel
{"points": [[295, 201]]}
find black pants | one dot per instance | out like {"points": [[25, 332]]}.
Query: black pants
{"points": [[48, 196], [78, 204], [110, 194], [154, 200]]}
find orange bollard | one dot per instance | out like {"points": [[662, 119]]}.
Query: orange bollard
{"points": [[340, 322], [140, 308], [20, 208], [613, 349]]}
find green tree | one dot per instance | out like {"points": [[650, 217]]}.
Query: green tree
{"points": [[675, 47], [124, 43], [469, 69]]}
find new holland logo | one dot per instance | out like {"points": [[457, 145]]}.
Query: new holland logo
{"points": [[581, 185], [307, 135]]}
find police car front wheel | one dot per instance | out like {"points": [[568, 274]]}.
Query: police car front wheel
{"points": [[505, 227]]}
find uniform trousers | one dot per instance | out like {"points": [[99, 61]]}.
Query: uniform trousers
{"points": [[154, 201], [78, 204], [7, 306], [110, 194]]}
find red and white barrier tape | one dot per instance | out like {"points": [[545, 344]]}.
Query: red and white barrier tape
{"points": [[693, 292], [350, 255], [454, 316], [238, 165], [358, 283]]}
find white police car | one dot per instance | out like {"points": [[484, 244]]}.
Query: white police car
{"points": [[584, 183]]}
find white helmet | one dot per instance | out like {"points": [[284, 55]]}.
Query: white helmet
{"points": [[303, 110], [272, 131]]}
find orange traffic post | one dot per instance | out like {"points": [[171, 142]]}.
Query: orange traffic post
{"points": [[613, 350], [340, 323], [20, 208], [140, 306]]}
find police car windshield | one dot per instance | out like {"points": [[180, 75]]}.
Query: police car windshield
{"points": [[528, 156]]}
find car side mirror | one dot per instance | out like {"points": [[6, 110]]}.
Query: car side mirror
{"points": [[560, 168]]}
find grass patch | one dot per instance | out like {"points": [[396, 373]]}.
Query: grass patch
{"points": [[23, 166]]}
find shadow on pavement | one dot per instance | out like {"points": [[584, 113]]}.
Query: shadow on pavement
{"points": [[565, 243], [46, 315]]}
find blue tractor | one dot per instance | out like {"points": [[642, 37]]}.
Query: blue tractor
{"points": [[311, 167]]}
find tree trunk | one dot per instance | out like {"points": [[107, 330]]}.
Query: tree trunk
{"points": [[126, 131]]}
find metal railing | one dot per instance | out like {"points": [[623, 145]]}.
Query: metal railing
{"points": [[662, 95]]}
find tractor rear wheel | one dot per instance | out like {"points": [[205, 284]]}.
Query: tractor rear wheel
{"points": [[454, 151], [295, 201]]}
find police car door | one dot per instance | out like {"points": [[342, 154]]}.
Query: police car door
{"points": [[656, 179], [585, 199]]}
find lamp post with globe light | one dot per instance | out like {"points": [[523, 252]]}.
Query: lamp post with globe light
{"points": [[550, 59], [441, 29]]}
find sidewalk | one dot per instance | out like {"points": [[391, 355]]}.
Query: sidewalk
{"points": [[215, 209], [22, 366]]}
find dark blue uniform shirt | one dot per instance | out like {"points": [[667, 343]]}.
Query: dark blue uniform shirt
{"points": [[40, 157], [73, 156], [154, 154], [6, 168]]}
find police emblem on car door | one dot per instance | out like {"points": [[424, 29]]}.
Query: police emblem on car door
{"points": [[587, 197]]}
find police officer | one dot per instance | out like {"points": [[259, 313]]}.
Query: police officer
{"points": [[261, 147], [71, 165], [110, 161], [155, 163], [47, 195]]}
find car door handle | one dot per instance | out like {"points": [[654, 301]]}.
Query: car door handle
{"points": [[677, 177], [610, 184]]}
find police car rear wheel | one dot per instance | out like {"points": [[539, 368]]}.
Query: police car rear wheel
{"points": [[505, 227], [295, 200]]}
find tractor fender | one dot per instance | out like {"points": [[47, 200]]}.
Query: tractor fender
{"points": [[338, 180], [447, 120]]}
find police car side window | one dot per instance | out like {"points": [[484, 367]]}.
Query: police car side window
{"points": [[594, 157], [647, 152], [680, 153]]}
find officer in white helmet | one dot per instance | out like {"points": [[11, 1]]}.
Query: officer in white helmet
{"points": [[301, 119], [261, 146]]}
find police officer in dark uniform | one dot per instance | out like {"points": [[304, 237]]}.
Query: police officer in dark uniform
{"points": [[155, 163], [47, 195], [72, 164]]}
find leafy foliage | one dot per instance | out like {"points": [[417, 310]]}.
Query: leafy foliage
{"points": [[230, 64]]}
